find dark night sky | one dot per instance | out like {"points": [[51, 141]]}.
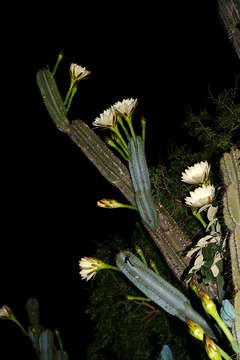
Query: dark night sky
{"points": [[165, 57]]}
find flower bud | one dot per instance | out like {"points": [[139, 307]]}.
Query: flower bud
{"points": [[6, 312], [195, 329], [212, 349], [208, 305]]}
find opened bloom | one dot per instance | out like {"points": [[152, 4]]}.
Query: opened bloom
{"points": [[77, 72], [89, 267], [107, 119], [201, 196], [125, 107], [196, 174]]}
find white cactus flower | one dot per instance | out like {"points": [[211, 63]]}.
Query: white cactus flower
{"points": [[201, 196], [5, 312], [77, 72], [89, 267], [107, 119], [196, 174], [125, 107]]}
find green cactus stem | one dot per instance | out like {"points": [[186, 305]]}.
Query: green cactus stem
{"points": [[159, 290], [102, 157], [230, 167], [141, 183], [52, 99], [236, 322], [46, 345]]}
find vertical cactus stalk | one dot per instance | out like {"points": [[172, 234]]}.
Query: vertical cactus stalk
{"points": [[52, 99], [141, 183], [229, 11], [236, 322], [230, 167]]}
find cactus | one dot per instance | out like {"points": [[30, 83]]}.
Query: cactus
{"points": [[236, 322], [229, 11], [46, 345], [230, 167], [52, 99], [159, 290], [141, 183], [166, 353]]}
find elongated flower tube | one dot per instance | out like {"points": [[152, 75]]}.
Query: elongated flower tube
{"points": [[159, 290], [210, 308]]}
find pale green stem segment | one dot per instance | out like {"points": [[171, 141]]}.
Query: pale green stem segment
{"points": [[59, 339], [128, 118], [199, 217], [69, 92], [107, 266], [143, 123], [140, 253], [19, 324], [111, 143], [59, 59], [73, 92], [137, 298], [123, 143], [223, 354], [128, 207], [154, 267], [228, 333], [119, 119]]}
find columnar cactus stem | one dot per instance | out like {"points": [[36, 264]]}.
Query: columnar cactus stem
{"points": [[159, 290], [168, 236], [230, 166], [236, 322]]}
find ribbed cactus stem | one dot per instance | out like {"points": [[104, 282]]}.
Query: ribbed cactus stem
{"points": [[159, 290], [102, 157], [230, 167], [141, 183], [236, 322], [52, 99], [46, 345]]}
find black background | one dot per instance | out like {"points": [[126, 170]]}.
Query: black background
{"points": [[167, 57]]}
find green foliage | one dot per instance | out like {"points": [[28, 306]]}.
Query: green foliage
{"points": [[217, 128]]}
